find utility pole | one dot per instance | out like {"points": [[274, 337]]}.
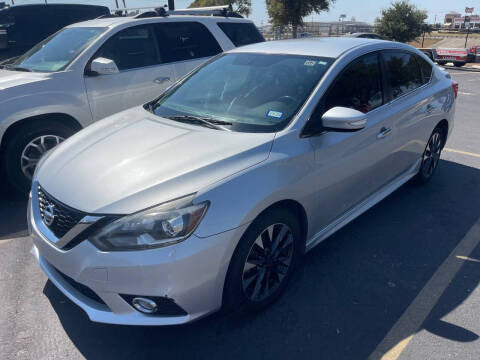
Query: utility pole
{"points": [[466, 22], [116, 3], [171, 4]]}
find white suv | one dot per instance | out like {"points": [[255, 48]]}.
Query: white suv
{"points": [[93, 69]]}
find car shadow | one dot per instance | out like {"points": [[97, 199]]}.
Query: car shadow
{"points": [[349, 292], [13, 210]]}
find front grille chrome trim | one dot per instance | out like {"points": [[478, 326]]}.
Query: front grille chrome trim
{"points": [[83, 225], [63, 241]]}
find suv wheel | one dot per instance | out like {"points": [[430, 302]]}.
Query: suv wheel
{"points": [[263, 261], [26, 146]]}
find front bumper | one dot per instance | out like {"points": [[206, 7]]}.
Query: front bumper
{"points": [[192, 273]]}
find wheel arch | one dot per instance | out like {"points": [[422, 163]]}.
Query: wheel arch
{"points": [[295, 208], [62, 118], [443, 126]]}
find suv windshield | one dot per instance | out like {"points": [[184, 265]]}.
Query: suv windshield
{"points": [[249, 92], [56, 52]]}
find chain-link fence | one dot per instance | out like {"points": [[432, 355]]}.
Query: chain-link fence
{"points": [[315, 29]]}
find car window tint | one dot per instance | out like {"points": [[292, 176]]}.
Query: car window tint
{"points": [[403, 72], [131, 48], [358, 87], [241, 33], [179, 41], [426, 69]]}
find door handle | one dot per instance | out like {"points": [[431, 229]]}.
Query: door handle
{"points": [[430, 109], [383, 132], [161, 80]]}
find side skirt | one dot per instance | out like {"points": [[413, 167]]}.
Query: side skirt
{"points": [[363, 206]]}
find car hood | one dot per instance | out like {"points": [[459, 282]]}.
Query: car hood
{"points": [[12, 79], [134, 160]]}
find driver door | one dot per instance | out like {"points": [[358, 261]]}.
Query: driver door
{"points": [[351, 166], [141, 78]]}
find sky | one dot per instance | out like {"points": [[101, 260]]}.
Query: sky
{"points": [[362, 10]]}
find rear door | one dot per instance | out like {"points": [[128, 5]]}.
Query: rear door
{"points": [[350, 166], [185, 45], [412, 99], [142, 77]]}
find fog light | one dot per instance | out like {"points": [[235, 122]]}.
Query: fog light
{"points": [[144, 305]]}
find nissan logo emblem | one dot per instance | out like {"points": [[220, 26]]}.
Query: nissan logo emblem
{"points": [[49, 214]]}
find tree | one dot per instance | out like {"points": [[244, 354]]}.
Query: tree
{"points": [[292, 12], [402, 22], [243, 7]]}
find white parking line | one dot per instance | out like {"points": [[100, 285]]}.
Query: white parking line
{"points": [[409, 323]]}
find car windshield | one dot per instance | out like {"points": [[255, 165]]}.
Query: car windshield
{"points": [[246, 92], [56, 52]]}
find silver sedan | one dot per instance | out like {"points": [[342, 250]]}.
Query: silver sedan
{"points": [[210, 195]]}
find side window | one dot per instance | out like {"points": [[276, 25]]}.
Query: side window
{"points": [[359, 86], [131, 48], [179, 41], [403, 73], [241, 33], [426, 69]]}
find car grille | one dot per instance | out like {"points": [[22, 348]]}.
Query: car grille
{"points": [[82, 289], [65, 218]]}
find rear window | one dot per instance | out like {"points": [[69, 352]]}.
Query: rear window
{"points": [[426, 69], [241, 33]]}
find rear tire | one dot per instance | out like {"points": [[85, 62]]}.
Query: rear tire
{"points": [[257, 276], [441, 63], [30, 141], [431, 156]]}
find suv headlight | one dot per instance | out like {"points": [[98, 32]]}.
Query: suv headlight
{"points": [[163, 225]]}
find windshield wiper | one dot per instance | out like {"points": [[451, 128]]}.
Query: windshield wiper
{"points": [[16, 68], [205, 121], [19, 68]]}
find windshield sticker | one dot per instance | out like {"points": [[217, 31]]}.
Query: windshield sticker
{"points": [[274, 114], [310, 63], [322, 63]]}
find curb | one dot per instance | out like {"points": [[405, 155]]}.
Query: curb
{"points": [[449, 67]]}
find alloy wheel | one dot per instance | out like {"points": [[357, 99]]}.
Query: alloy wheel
{"points": [[431, 155], [268, 262], [34, 150]]}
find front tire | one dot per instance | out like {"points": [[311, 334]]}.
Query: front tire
{"points": [[459, 64], [263, 261], [431, 156], [25, 147]]}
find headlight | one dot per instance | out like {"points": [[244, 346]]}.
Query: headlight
{"points": [[163, 225]]}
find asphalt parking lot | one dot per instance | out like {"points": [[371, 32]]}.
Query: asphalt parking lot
{"points": [[401, 281]]}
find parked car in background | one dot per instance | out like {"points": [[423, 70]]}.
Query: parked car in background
{"points": [[93, 69], [210, 194], [23, 26]]}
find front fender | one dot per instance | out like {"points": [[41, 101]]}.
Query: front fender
{"points": [[33, 99], [239, 199]]}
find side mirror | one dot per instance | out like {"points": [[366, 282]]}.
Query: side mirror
{"points": [[343, 119], [103, 66]]}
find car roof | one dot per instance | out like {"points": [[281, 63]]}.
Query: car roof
{"points": [[115, 21], [54, 5], [331, 47]]}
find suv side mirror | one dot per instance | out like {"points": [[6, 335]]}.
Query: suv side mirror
{"points": [[103, 66], [343, 119]]}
